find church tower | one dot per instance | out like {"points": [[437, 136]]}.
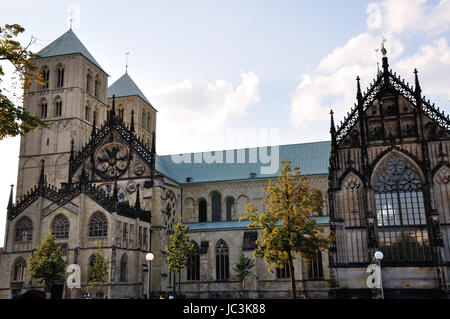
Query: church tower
{"points": [[71, 102], [133, 106]]}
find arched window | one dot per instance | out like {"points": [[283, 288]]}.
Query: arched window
{"points": [[43, 109], [230, 206], [58, 107], [98, 225], [123, 268], [87, 113], [121, 113], [319, 198], [59, 76], [216, 207], [202, 217], [96, 86], [94, 117], [88, 81], [315, 269], [222, 261], [193, 266], [45, 76], [20, 268], [60, 227], [402, 227], [24, 229], [149, 121], [144, 120]]}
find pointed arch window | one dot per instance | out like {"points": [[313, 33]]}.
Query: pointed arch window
{"points": [[193, 266], [60, 76], [123, 268], [400, 209], [149, 121], [43, 109], [20, 268], [88, 81], [222, 261], [202, 216], [87, 113], [60, 227], [24, 230], [216, 207], [58, 107], [315, 268], [45, 77], [98, 225], [96, 86], [441, 194]]}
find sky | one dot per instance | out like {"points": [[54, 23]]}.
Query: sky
{"points": [[215, 67]]}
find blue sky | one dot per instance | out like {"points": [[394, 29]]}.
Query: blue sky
{"points": [[209, 66]]}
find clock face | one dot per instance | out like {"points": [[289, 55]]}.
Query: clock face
{"points": [[112, 160]]}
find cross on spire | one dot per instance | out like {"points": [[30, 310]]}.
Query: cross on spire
{"points": [[126, 61]]}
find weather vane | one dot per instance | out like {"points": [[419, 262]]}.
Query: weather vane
{"points": [[126, 63]]}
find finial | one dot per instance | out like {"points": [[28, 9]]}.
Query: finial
{"points": [[332, 127], [358, 85], [418, 90], [153, 143], [126, 64], [10, 203]]}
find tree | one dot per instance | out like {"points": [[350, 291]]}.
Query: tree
{"points": [[47, 264], [243, 267], [98, 268], [179, 250], [14, 119], [287, 226]]}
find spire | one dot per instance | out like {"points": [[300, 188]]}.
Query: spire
{"points": [[358, 85], [418, 89], [113, 108], [10, 202], [153, 158], [137, 205], [42, 175], [385, 62], [153, 143], [132, 121], [332, 127]]}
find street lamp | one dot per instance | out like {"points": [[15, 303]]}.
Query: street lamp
{"points": [[149, 258], [379, 256]]}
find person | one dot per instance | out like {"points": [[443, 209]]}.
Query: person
{"points": [[162, 297], [171, 296]]}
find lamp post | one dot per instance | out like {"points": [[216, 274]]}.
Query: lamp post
{"points": [[379, 256], [149, 258]]}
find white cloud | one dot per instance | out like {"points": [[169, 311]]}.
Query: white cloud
{"points": [[200, 110], [332, 84]]}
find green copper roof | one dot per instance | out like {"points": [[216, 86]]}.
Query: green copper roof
{"points": [[66, 44], [125, 86], [311, 158], [243, 225]]}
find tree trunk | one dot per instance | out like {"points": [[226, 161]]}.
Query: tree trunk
{"points": [[179, 282], [174, 283], [291, 271]]}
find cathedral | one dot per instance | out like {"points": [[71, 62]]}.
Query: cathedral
{"points": [[94, 176]]}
